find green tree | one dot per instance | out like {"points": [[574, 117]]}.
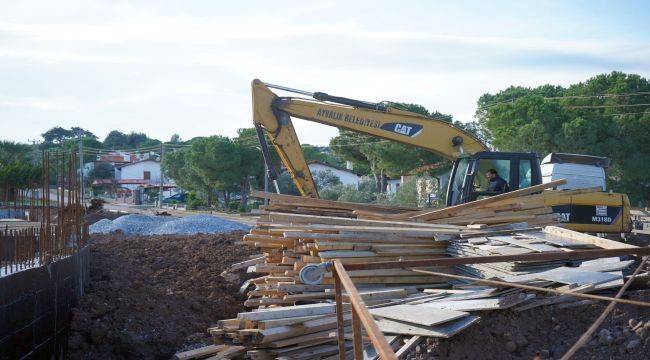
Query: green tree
{"points": [[12, 152], [118, 140], [215, 159], [251, 166], [326, 178], [102, 171], [605, 116], [383, 158]]}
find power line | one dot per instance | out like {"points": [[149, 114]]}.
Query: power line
{"points": [[598, 96], [604, 106]]}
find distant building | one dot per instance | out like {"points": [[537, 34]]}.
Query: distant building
{"points": [[347, 176], [393, 184], [139, 173]]}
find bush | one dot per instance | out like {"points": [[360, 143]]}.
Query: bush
{"points": [[193, 201], [331, 192], [364, 193], [406, 195], [326, 178], [233, 206]]}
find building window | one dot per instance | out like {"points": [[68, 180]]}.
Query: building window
{"points": [[147, 175]]}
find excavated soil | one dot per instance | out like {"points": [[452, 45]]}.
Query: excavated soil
{"points": [[548, 332], [149, 296]]}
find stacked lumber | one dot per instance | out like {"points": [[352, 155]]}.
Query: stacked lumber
{"points": [[409, 314], [289, 242], [525, 205], [311, 206], [292, 320]]}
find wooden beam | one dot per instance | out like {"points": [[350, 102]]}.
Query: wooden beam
{"points": [[376, 336], [586, 238], [546, 256], [331, 220], [332, 204], [199, 353], [450, 211], [535, 288]]}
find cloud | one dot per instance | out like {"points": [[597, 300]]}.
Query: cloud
{"points": [[187, 67], [40, 103]]}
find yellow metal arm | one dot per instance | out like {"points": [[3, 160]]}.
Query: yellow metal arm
{"points": [[273, 114]]}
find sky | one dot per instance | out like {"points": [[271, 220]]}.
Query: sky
{"points": [[185, 67]]}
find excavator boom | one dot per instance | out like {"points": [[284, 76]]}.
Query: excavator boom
{"points": [[273, 114]]}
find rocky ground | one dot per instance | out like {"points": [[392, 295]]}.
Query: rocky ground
{"points": [[548, 332], [150, 295]]}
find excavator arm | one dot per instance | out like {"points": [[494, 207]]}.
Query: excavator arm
{"points": [[272, 114]]}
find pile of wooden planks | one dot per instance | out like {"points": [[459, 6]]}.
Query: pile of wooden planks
{"points": [[525, 205], [408, 314], [292, 320], [291, 241], [311, 206]]}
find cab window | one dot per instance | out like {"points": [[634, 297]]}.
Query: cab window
{"points": [[481, 182], [456, 185], [501, 166], [525, 173]]}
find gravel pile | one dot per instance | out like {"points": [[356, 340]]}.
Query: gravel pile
{"points": [[138, 224]]}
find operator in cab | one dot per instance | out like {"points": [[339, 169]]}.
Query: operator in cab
{"points": [[497, 184]]}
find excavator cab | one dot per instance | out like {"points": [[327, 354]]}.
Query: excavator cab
{"points": [[468, 181]]}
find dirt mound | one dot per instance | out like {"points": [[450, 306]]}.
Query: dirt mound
{"points": [[150, 295], [549, 332]]}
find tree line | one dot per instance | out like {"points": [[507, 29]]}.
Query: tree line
{"points": [[606, 115]]}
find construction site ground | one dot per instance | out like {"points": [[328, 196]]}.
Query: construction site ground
{"points": [[549, 332], [151, 296]]}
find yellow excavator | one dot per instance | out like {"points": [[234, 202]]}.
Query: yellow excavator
{"points": [[598, 212]]}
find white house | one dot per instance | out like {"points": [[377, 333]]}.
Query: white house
{"points": [[393, 184], [347, 176], [141, 173]]}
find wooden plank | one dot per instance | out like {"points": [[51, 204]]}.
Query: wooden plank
{"points": [[360, 237], [293, 311], [518, 242], [307, 327], [590, 239], [546, 256], [397, 231], [496, 303], [372, 330], [446, 330], [268, 324], [228, 353], [417, 314], [322, 335], [199, 353], [537, 288], [290, 199], [246, 263], [331, 220], [408, 346]]}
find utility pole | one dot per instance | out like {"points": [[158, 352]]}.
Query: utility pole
{"points": [[81, 164], [160, 191]]}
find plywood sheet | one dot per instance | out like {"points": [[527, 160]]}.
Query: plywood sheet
{"points": [[418, 314], [445, 330]]}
